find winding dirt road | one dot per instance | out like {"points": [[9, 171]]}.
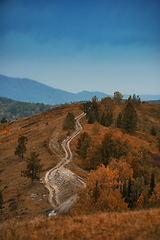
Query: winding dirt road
{"points": [[60, 181]]}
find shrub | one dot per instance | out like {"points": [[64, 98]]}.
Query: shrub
{"points": [[153, 131], [3, 120]]}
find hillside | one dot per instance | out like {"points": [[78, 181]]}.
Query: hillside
{"points": [[27, 90], [11, 110], [23, 201]]}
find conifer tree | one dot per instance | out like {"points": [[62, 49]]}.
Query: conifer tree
{"points": [[152, 185], [83, 144], [93, 112], [91, 117], [33, 167], [69, 122], [129, 117], [21, 149]]}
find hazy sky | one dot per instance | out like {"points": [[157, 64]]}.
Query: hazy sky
{"points": [[75, 45]]}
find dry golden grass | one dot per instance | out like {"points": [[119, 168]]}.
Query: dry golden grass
{"points": [[21, 199], [131, 225]]}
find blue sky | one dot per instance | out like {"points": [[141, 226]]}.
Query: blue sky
{"points": [[76, 45]]}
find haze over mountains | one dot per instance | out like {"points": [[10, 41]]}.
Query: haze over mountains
{"points": [[27, 90]]}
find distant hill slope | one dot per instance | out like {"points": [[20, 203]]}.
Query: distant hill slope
{"points": [[11, 109], [27, 90]]}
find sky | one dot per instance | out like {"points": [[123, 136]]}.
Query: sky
{"points": [[76, 45]]}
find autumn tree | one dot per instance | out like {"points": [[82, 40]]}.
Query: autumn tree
{"points": [[86, 107], [21, 148], [83, 144], [93, 113], [129, 117], [112, 146], [123, 168], [33, 167], [106, 119], [117, 97], [69, 122], [101, 193], [108, 104]]}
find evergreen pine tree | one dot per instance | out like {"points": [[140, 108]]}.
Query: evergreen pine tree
{"points": [[21, 149], [83, 144], [152, 185], [129, 117], [91, 117], [33, 167], [69, 122]]}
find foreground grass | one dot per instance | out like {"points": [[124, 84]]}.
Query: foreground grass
{"points": [[143, 224]]}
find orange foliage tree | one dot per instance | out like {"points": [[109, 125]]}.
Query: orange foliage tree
{"points": [[102, 192]]}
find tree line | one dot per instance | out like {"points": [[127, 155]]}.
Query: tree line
{"points": [[11, 110], [102, 111]]}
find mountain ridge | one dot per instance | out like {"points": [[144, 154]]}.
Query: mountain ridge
{"points": [[27, 90]]}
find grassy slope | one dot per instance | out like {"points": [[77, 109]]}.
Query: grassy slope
{"points": [[23, 201], [144, 224]]}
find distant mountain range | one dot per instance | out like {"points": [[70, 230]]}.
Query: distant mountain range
{"points": [[27, 90]]}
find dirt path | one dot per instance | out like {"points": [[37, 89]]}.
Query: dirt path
{"points": [[60, 181]]}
